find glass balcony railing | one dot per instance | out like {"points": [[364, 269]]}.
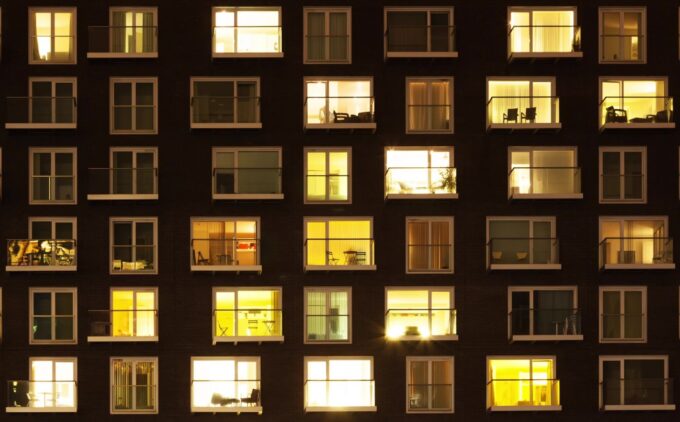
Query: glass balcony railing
{"points": [[637, 392], [430, 397], [429, 117], [225, 394], [527, 110], [231, 323], [133, 398], [544, 39], [44, 253], [247, 181], [340, 252], [328, 48], [222, 110], [132, 258], [636, 250], [623, 327], [420, 181], [232, 252], [111, 182], [431, 39], [544, 181], [526, 392], [121, 41], [430, 258], [545, 322], [523, 251], [650, 110], [41, 112], [327, 328], [350, 110], [622, 47], [123, 323], [23, 396], [54, 48], [247, 40], [420, 323], [340, 393], [623, 187]]}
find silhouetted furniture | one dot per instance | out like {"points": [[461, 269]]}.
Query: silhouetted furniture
{"points": [[331, 259], [529, 115], [217, 399], [199, 259], [360, 258], [511, 115], [663, 116], [340, 117], [616, 115], [254, 398]]}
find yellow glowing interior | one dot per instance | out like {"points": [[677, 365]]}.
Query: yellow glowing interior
{"points": [[542, 31], [522, 382], [630, 96], [52, 383], [248, 313], [339, 242], [228, 242], [505, 96], [351, 97], [543, 172], [421, 313], [426, 171], [633, 241], [327, 175], [339, 383], [429, 105], [218, 380], [247, 31], [133, 313], [53, 36]]}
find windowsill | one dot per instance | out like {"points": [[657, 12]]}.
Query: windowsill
{"points": [[421, 54], [247, 339], [228, 268], [122, 197], [340, 267], [341, 409], [546, 196], [639, 266], [226, 125], [340, 126], [634, 407], [421, 196], [422, 338], [246, 55], [525, 267], [133, 132], [431, 272], [133, 272], [544, 337], [649, 125], [313, 341], [41, 409], [545, 55], [108, 55], [121, 339], [41, 125], [228, 409], [623, 201], [525, 408], [622, 340], [429, 411], [247, 196], [524, 126], [346, 61], [40, 268]]}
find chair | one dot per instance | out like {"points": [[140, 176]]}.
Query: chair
{"points": [[360, 258], [616, 115], [340, 117], [529, 115], [511, 115], [331, 259], [200, 259], [663, 116], [254, 398]]}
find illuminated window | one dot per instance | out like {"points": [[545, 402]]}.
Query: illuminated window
{"points": [[544, 313], [225, 103], [53, 316], [132, 174], [134, 384], [52, 35], [623, 33], [247, 31], [225, 244], [51, 387], [522, 242], [429, 244], [543, 32], [429, 105], [134, 106], [51, 246], [420, 172], [339, 103], [225, 384], [622, 174], [522, 384], [635, 103], [247, 314], [328, 314], [328, 36], [336, 384], [633, 243], [623, 316], [543, 172], [419, 32], [635, 383], [133, 313], [420, 313], [429, 384], [133, 245], [339, 243], [53, 175], [522, 103], [247, 173], [328, 175]]}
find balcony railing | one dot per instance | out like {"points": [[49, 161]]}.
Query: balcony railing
{"points": [[428, 181], [430, 258], [623, 327], [226, 395], [424, 323], [429, 117], [336, 253], [646, 251], [262, 41], [545, 181], [530, 112], [349, 112], [225, 112], [133, 258], [637, 111], [540, 252], [41, 254], [648, 392], [430, 397], [541, 392], [545, 40], [124, 323], [41, 113], [327, 328], [50, 48], [347, 394], [622, 47], [248, 325], [328, 48], [328, 187], [133, 398], [420, 41], [123, 183], [547, 322], [225, 254], [247, 182], [123, 41], [623, 187], [41, 396]]}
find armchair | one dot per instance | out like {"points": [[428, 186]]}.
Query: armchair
{"points": [[616, 115]]}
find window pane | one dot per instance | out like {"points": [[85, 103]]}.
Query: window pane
{"points": [[611, 309], [316, 36]]}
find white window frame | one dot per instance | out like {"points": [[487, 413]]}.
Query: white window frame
{"points": [[531, 150], [327, 359], [54, 266], [133, 81], [621, 291], [236, 151], [428, 80], [133, 360], [233, 267], [53, 360], [228, 409], [531, 219], [621, 151], [53, 152], [133, 196], [326, 151], [326, 220], [430, 219], [245, 339], [133, 221], [555, 125], [31, 314], [643, 33], [531, 359], [430, 289], [536, 337], [327, 290], [29, 101], [628, 125], [121, 55], [135, 338], [429, 149], [327, 80], [537, 55], [235, 10], [32, 30], [418, 54], [621, 220], [326, 11], [631, 407], [234, 81], [430, 360]]}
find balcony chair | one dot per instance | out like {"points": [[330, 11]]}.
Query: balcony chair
{"points": [[340, 117], [360, 258], [616, 115], [570, 325], [254, 398], [199, 259], [529, 115], [218, 400], [331, 259], [663, 116], [511, 115]]}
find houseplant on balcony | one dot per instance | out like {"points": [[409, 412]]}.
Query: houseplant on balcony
{"points": [[448, 180]]}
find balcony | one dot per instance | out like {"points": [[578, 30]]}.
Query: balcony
{"points": [[421, 183], [41, 113], [545, 183], [247, 41], [526, 394], [41, 255], [333, 328], [234, 254], [627, 253], [435, 41], [427, 259], [642, 112], [219, 112], [247, 183], [346, 395], [226, 396], [545, 324], [523, 113], [123, 42], [41, 397], [123, 325], [133, 259], [544, 41], [355, 112], [637, 394], [526, 253], [421, 324], [247, 325], [134, 398], [429, 398], [630, 327], [119, 184], [623, 187], [339, 254]]}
